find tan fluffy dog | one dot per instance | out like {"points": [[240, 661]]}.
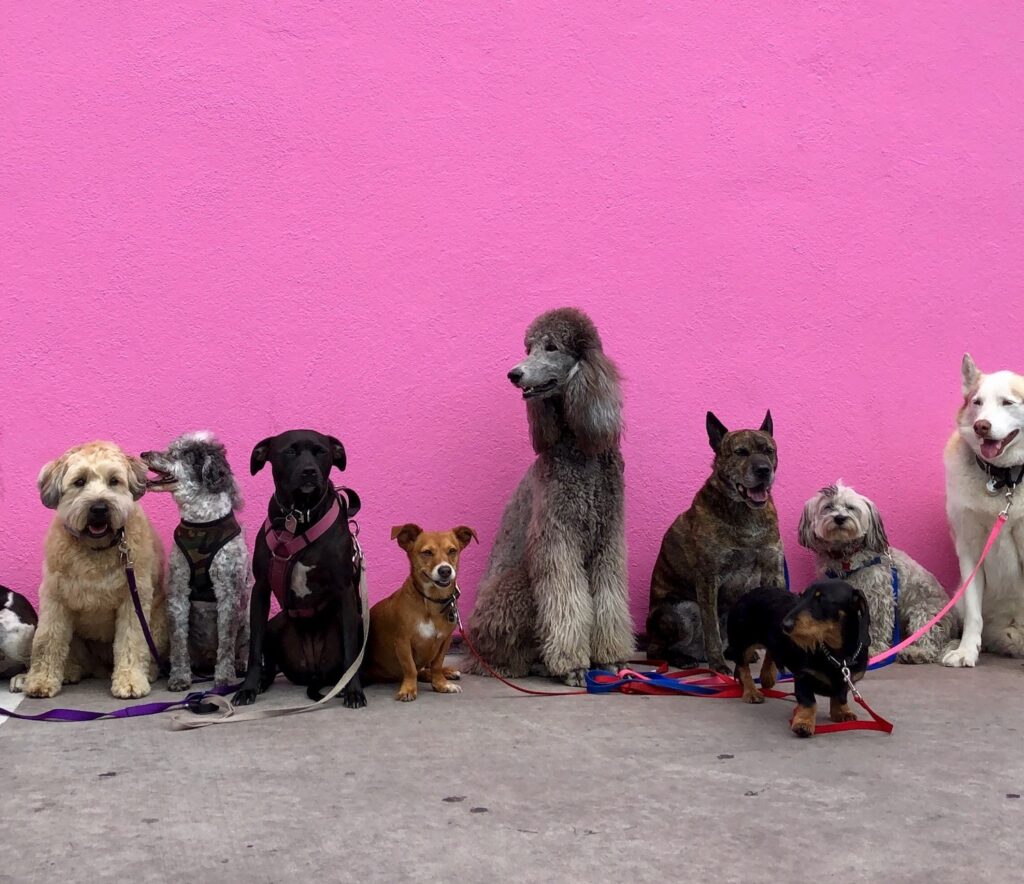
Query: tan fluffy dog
{"points": [[411, 630], [84, 602]]}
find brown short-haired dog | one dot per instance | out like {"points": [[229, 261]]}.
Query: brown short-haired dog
{"points": [[410, 630]]}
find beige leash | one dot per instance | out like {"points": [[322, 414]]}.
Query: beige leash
{"points": [[191, 721]]}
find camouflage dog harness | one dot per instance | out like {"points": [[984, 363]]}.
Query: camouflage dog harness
{"points": [[199, 542]]}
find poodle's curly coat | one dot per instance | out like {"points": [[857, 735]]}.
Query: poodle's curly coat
{"points": [[555, 592]]}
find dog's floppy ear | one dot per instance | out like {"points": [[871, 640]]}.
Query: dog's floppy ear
{"points": [[50, 479], [216, 473], [137, 471], [864, 614], [593, 402], [875, 538], [258, 458], [716, 431], [766, 424], [465, 534], [805, 530], [406, 535], [970, 374], [337, 453]]}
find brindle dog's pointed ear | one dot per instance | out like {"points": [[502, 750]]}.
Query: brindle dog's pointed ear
{"points": [[465, 534], [766, 424], [716, 431], [406, 534], [258, 458], [337, 453]]}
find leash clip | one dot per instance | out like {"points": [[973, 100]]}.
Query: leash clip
{"points": [[125, 552], [1009, 502]]}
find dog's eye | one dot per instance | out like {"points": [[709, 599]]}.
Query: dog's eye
{"points": [[977, 401], [551, 348], [427, 553], [743, 452], [1008, 403], [79, 483], [114, 482], [452, 551], [318, 451]]}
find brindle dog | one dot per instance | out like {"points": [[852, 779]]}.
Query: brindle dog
{"points": [[725, 544]]}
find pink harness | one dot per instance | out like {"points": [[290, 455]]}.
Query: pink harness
{"points": [[284, 547]]}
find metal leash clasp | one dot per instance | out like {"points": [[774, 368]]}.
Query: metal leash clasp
{"points": [[125, 552], [1009, 502], [845, 672]]}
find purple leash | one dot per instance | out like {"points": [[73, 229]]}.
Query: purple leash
{"points": [[193, 702], [129, 573]]}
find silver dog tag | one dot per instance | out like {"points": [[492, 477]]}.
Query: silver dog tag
{"points": [[990, 487]]}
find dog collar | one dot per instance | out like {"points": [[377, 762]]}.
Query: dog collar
{"points": [[848, 568], [447, 604], [1000, 477], [114, 540]]}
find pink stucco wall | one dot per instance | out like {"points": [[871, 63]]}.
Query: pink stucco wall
{"points": [[248, 217]]}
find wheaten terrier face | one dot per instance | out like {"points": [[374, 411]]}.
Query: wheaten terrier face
{"points": [[93, 487], [837, 517]]}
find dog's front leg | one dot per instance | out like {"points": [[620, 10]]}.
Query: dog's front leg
{"points": [[226, 587], [565, 611], [838, 710], [407, 689], [966, 653], [707, 596], [803, 722], [50, 647], [611, 636], [439, 675], [178, 604], [131, 653], [352, 695], [259, 611]]}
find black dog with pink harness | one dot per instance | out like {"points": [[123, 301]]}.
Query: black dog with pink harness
{"points": [[307, 558]]}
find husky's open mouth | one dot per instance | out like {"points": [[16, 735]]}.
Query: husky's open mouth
{"points": [[546, 387], [756, 495], [992, 448]]}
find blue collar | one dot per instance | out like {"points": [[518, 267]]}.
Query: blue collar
{"points": [[842, 575]]}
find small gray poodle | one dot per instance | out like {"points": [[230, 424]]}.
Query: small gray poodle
{"points": [[845, 531], [554, 598], [207, 588]]}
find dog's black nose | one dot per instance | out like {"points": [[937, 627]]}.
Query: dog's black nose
{"points": [[516, 375], [982, 428], [146, 455], [764, 473], [99, 510], [309, 473], [840, 520], [444, 571]]}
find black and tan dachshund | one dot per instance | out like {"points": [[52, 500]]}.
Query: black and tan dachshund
{"points": [[814, 636]]}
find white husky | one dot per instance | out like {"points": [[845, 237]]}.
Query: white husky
{"points": [[985, 463]]}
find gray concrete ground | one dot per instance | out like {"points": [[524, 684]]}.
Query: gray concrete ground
{"points": [[490, 785]]}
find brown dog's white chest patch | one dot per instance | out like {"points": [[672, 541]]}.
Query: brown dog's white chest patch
{"points": [[426, 630]]}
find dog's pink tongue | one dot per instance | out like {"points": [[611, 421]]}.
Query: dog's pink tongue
{"points": [[991, 448], [758, 494], [97, 531]]}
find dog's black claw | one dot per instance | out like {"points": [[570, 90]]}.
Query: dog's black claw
{"points": [[245, 697], [353, 699]]}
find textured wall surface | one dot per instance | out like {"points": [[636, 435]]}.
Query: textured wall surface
{"points": [[246, 218]]}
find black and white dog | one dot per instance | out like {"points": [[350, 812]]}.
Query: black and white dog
{"points": [[17, 627], [207, 588], [305, 556]]}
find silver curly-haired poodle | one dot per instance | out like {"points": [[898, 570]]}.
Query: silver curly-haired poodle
{"points": [[555, 597], [845, 531], [207, 587]]}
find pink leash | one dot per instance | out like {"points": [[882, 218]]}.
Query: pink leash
{"points": [[992, 537]]}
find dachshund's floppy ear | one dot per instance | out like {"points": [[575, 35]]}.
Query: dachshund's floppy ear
{"points": [[337, 453], [465, 534], [137, 472], [258, 458], [805, 531], [716, 431], [406, 535], [50, 479], [875, 538], [970, 374], [766, 424]]}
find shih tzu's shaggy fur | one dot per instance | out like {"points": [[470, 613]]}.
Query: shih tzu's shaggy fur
{"points": [[845, 531]]}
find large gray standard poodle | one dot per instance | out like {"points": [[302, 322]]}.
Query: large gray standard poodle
{"points": [[555, 592]]}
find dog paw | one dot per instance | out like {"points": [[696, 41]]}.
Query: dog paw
{"points": [[754, 696], [223, 677], [575, 678], [17, 683], [917, 654], [960, 656], [842, 713], [356, 699], [721, 667], [611, 667], [802, 723], [446, 687], [127, 685], [451, 674], [245, 697], [178, 682], [41, 686]]}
